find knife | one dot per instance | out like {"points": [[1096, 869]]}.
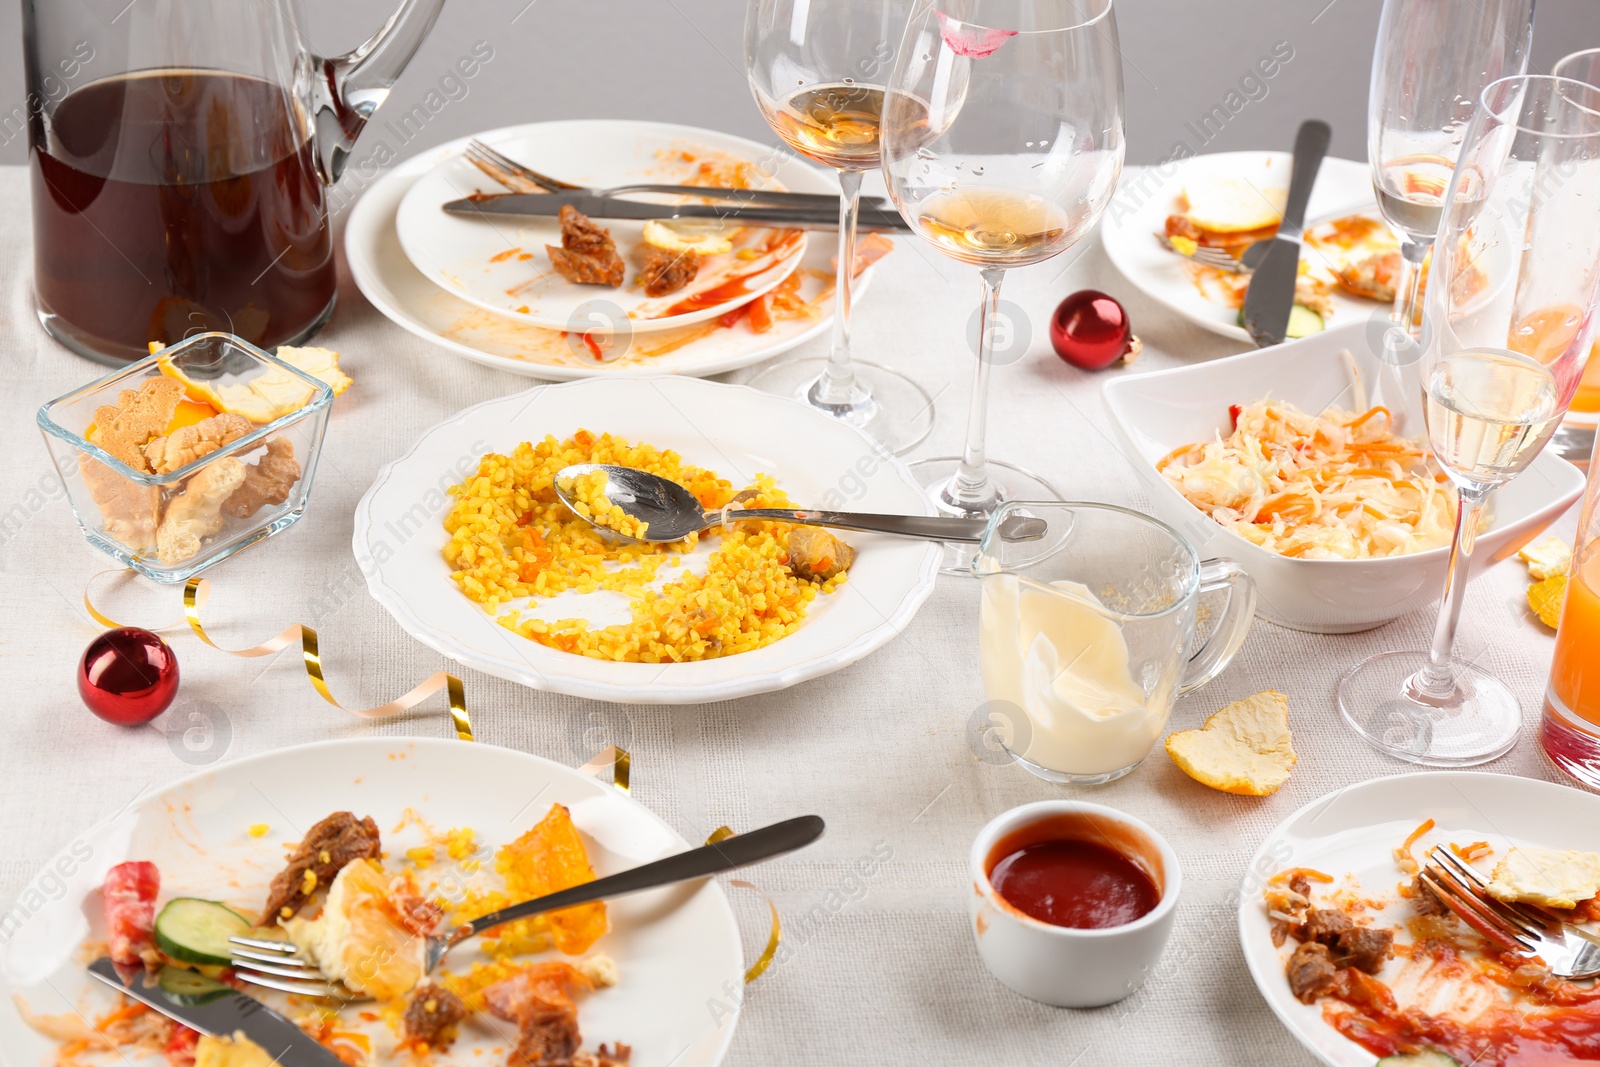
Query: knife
{"points": [[875, 218], [1270, 298], [221, 1010]]}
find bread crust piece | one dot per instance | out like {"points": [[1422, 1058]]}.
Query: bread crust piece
{"points": [[197, 513], [267, 481], [124, 428], [129, 511], [187, 444]]}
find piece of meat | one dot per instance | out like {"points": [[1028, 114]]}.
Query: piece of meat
{"points": [[1364, 948], [816, 555], [1325, 925], [325, 851], [1299, 883], [665, 271], [546, 1037], [1424, 901], [604, 1056], [1310, 972], [129, 897], [430, 1011], [587, 255]]}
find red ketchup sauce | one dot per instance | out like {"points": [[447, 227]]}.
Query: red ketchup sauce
{"points": [[1077, 871]]}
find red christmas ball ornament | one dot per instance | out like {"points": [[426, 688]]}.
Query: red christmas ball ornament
{"points": [[128, 676], [1090, 330]]}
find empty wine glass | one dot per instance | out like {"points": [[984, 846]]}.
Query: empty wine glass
{"points": [[1002, 144], [1433, 59], [816, 68], [1509, 317]]}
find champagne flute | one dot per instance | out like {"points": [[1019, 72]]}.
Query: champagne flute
{"points": [[1574, 441], [1510, 312], [1002, 144], [816, 68], [1433, 58]]}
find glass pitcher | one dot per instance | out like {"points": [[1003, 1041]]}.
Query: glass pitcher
{"points": [[180, 150], [1088, 635]]}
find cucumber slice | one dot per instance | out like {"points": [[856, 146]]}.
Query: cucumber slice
{"points": [[197, 931], [1425, 1058], [1303, 322], [189, 987]]}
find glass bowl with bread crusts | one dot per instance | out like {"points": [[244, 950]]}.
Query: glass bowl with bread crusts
{"points": [[183, 458]]}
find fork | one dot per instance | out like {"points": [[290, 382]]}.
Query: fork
{"points": [[524, 179], [279, 965], [1206, 257], [1566, 950]]}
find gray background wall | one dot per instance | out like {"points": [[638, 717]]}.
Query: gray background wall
{"points": [[680, 61]]}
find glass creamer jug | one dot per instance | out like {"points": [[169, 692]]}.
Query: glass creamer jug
{"points": [[180, 150], [1087, 635]]}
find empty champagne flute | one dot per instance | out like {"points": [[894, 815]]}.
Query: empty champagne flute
{"points": [[1509, 317], [1433, 59], [1574, 441], [816, 68], [1002, 144]]}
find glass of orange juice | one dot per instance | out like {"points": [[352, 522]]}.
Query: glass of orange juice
{"points": [[1571, 727]]}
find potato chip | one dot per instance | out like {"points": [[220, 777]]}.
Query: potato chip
{"points": [[1244, 748], [1545, 598], [1545, 557]]}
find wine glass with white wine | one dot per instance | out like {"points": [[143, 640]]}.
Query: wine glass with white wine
{"points": [[1002, 144], [1509, 317], [816, 68], [1433, 59]]}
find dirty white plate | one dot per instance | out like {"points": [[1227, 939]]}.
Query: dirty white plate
{"points": [[499, 263], [401, 293], [731, 429], [1145, 198], [1355, 830], [677, 949]]}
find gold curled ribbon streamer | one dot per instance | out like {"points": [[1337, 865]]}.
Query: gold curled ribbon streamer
{"points": [[197, 590], [105, 620], [617, 758], [759, 967]]}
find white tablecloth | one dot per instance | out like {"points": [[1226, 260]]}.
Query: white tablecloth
{"points": [[881, 970]]}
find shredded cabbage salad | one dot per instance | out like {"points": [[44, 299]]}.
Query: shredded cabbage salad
{"points": [[1338, 485]]}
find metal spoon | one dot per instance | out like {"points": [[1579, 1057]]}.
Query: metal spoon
{"points": [[673, 513]]}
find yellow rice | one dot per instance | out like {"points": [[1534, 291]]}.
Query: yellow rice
{"points": [[510, 537]]}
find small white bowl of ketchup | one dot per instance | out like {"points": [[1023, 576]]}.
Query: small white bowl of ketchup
{"points": [[1072, 903]]}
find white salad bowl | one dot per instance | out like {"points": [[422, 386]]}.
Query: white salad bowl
{"points": [[1157, 412]]}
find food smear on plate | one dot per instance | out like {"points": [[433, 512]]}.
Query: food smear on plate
{"points": [[1399, 974], [1338, 485], [511, 539], [362, 917]]}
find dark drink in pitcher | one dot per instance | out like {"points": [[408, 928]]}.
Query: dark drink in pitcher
{"points": [[173, 202]]}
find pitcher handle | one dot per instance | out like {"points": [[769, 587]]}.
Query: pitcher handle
{"points": [[344, 91], [1229, 633]]}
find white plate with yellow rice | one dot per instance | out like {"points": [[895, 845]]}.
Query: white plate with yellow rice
{"points": [[222, 834], [472, 605]]}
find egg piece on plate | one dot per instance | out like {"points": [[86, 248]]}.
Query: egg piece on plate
{"points": [[235, 1051], [359, 939], [1555, 878]]}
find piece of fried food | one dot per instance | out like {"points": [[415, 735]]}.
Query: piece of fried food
{"points": [[816, 555], [197, 513], [587, 255], [266, 481], [124, 428], [666, 271], [187, 444], [1555, 878], [1244, 748]]}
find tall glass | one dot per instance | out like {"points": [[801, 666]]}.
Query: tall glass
{"points": [[1002, 144], [1574, 442], [1509, 318], [1570, 730], [1433, 59], [816, 68]]}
